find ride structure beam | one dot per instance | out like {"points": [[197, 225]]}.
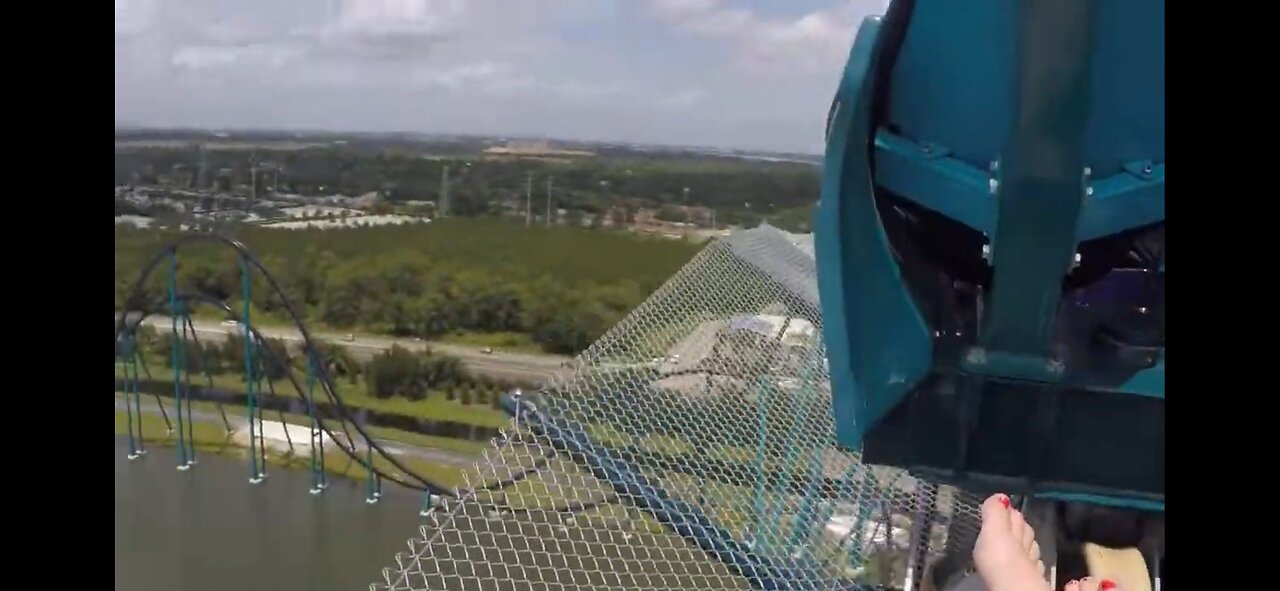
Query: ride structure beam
{"points": [[1041, 183], [255, 474], [177, 356]]}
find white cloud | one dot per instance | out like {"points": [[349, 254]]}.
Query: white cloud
{"points": [[711, 72], [677, 9], [395, 29], [134, 17], [213, 57], [685, 98], [456, 77], [812, 42]]}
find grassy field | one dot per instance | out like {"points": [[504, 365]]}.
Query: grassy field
{"points": [[568, 255], [212, 438], [436, 406], [514, 342], [450, 444]]}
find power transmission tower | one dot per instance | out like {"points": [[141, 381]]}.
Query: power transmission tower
{"points": [[528, 199], [201, 177], [550, 182], [444, 192], [253, 178]]}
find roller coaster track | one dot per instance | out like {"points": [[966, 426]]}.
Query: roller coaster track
{"points": [[135, 312]]}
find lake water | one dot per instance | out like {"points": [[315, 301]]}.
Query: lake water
{"points": [[209, 529]]}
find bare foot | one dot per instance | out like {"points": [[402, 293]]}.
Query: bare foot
{"points": [[1006, 553], [1090, 584]]}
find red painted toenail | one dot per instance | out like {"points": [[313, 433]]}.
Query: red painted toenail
{"points": [[1105, 584], [1005, 501]]}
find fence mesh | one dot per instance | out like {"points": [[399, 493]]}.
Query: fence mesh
{"points": [[691, 447]]}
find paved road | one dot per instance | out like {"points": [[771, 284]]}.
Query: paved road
{"points": [[519, 367]]}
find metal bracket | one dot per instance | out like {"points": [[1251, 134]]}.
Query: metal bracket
{"points": [[1143, 169]]}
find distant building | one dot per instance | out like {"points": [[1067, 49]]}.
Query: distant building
{"points": [[646, 217], [137, 221], [334, 200], [533, 148], [318, 211], [791, 332], [366, 201], [359, 221]]}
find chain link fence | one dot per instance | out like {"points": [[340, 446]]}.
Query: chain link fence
{"points": [[691, 447]]}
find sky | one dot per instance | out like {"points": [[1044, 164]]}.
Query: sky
{"points": [[747, 74]]}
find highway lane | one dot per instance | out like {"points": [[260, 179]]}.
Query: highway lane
{"points": [[525, 368]]}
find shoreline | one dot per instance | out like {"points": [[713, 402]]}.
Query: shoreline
{"points": [[444, 467]]}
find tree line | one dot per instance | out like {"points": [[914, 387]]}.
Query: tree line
{"points": [[562, 287], [396, 372], [743, 192]]}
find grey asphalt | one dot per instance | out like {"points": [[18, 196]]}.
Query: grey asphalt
{"points": [[521, 367]]}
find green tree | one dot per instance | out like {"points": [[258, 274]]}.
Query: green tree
{"points": [[274, 361], [573, 218], [671, 213], [396, 371]]}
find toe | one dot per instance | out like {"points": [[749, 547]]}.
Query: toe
{"points": [[1097, 584], [1021, 531], [995, 512]]}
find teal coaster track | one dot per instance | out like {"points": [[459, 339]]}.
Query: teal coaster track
{"points": [[316, 388]]}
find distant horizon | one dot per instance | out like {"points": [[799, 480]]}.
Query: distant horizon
{"points": [[428, 134], [743, 75]]}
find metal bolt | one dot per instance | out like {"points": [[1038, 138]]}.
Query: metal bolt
{"points": [[994, 166], [1147, 168], [986, 252], [1056, 366], [1088, 191], [995, 186], [1088, 172]]}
